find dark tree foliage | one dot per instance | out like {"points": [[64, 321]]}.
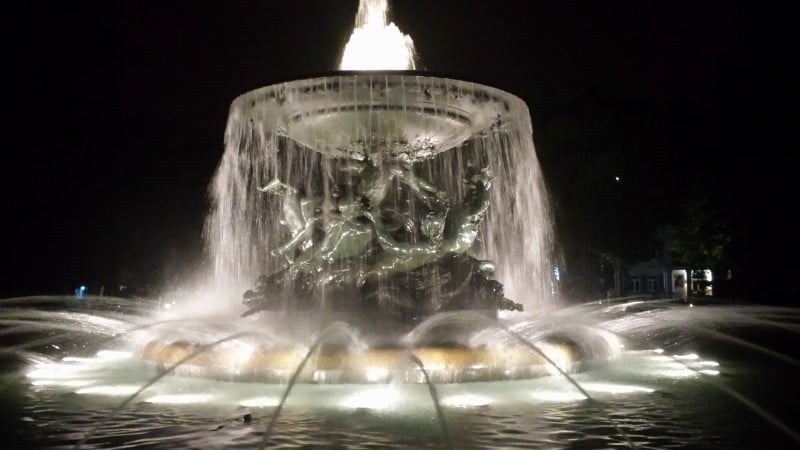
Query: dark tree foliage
{"points": [[702, 239]]}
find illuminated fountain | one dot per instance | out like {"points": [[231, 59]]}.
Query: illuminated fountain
{"points": [[390, 200], [389, 218]]}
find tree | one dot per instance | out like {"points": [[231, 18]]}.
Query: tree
{"points": [[701, 236]]}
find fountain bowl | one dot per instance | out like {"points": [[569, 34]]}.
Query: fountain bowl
{"points": [[408, 115]]}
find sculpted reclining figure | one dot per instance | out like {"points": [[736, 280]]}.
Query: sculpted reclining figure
{"points": [[299, 215], [345, 237], [406, 256], [376, 176]]}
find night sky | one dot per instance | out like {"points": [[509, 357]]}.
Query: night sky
{"points": [[118, 111]]}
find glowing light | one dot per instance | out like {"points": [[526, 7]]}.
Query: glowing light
{"points": [[77, 359], [260, 402], [375, 374], [100, 357], [625, 306], [113, 355], [677, 366], [243, 352], [558, 355], [70, 371], [682, 366], [319, 376], [611, 388], [558, 396], [466, 400], [180, 399], [379, 398], [65, 383], [123, 389], [677, 373], [376, 45], [54, 371]]}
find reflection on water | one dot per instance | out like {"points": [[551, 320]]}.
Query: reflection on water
{"points": [[711, 376]]}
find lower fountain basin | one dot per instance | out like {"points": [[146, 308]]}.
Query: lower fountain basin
{"points": [[443, 364], [672, 382]]}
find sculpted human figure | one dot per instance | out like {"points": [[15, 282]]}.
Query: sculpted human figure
{"points": [[349, 236], [345, 237], [299, 215], [377, 175], [406, 256], [323, 245]]}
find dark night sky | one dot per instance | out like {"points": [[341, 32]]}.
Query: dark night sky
{"points": [[118, 111]]}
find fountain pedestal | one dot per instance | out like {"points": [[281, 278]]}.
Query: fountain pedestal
{"points": [[454, 282]]}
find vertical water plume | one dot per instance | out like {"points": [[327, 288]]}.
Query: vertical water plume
{"points": [[518, 230], [239, 229], [375, 43]]}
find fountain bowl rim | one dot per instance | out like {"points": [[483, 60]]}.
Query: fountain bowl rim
{"points": [[420, 73]]}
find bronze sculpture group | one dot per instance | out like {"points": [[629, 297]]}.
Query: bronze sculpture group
{"points": [[352, 250]]}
